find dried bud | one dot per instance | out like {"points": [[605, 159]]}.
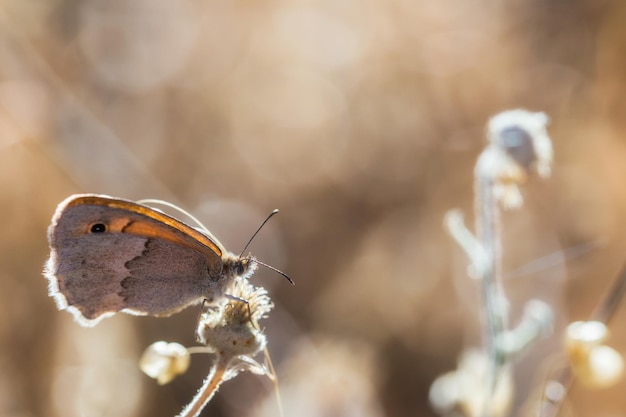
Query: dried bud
{"points": [[581, 336], [522, 136], [233, 330], [164, 361], [518, 146], [595, 365]]}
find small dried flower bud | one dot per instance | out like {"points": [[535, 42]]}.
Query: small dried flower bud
{"points": [[601, 368], [518, 145], [582, 336], [595, 365], [164, 361], [522, 136]]}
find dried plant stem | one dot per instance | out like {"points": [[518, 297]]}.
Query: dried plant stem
{"points": [[612, 299], [274, 378], [488, 228], [208, 389]]}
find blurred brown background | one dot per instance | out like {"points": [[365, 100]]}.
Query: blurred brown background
{"points": [[361, 122]]}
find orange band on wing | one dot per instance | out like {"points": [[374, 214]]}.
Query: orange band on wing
{"points": [[204, 244]]}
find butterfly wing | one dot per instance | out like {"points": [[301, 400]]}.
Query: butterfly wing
{"points": [[109, 255]]}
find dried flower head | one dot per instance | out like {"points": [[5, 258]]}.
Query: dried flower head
{"points": [[518, 146], [522, 136], [164, 361], [232, 329]]}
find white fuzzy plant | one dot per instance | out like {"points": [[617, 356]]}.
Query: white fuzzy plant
{"points": [[518, 146]]}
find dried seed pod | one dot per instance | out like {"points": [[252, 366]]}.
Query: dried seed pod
{"points": [[164, 361], [594, 364]]}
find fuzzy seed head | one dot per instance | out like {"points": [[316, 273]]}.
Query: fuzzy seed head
{"points": [[233, 329], [522, 136]]}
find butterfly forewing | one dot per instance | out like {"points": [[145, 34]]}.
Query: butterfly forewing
{"points": [[110, 255]]}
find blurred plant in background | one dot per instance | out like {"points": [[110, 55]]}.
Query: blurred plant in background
{"points": [[518, 145]]}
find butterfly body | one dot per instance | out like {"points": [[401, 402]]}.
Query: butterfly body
{"points": [[109, 255]]}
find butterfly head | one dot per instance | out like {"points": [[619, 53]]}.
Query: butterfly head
{"points": [[237, 266], [240, 266]]}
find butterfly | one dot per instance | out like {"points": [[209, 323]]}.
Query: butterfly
{"points": [[110, 255]]}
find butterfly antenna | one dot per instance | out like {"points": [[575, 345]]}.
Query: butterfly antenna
{"points": [[275, 270], [259, 262], [257, 231]]}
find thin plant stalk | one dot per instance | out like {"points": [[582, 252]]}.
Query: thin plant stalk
{"points": [[612, 299], [208, 389], [488, 227], [274, 378]]}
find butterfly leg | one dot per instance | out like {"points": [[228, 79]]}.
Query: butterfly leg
{"points": [[241, 300]]}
